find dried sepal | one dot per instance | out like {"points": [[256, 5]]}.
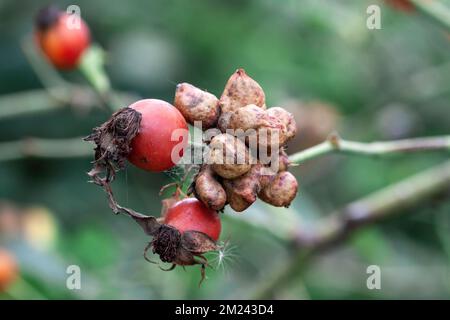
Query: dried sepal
{"points": [[197, 242], [149, 224], [197, 105], [184, 257], [241, 90], [112, 140]]}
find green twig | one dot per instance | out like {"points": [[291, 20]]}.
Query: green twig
{"points": [[39, 100], [336, 144], [435, 10], [92, 67], [28, 102], [48, 148], [23, 289], [45, 148], [382, 204], [55, 85]]}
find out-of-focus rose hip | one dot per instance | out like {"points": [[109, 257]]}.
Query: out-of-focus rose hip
{"points": [[403, 5], [62, 38], [8, 269]]}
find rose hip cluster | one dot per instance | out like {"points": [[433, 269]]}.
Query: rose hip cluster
{"points": [[143, 132], [234, 172]]}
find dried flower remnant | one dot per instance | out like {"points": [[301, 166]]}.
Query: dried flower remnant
{"points": [[186, 232]]}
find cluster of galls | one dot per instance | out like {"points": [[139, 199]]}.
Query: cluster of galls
{"points": [[234, 172]]}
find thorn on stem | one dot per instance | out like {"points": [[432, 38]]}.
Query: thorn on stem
{"points": [[334, 139]]}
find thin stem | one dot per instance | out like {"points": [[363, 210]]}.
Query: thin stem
{"points": [[45, 148], [53, 83], [75, 147], [28, 102], [434, 10], [38, 101], [23, 289], [336, 144], [391, 200], [92, 68]]}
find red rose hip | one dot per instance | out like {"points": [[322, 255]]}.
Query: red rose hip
{"points": [[192, 215], [154, 148], [61, 38]]}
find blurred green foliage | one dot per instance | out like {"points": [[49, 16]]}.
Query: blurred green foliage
{"points": [[384, 84]]}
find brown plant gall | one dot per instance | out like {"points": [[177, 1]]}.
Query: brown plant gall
{"points": [[224, 121], [281, 190], [242, 192], [209, 190], [197, 105], [288, 121], [250, 117], [260, 129], [228, 156], [236, 201], [241, 90]]}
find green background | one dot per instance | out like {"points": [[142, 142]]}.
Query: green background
{"points": [[382, 84]]}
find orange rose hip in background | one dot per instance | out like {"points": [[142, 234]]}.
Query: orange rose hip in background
{"points": [[8, 269], [62, 37]]}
